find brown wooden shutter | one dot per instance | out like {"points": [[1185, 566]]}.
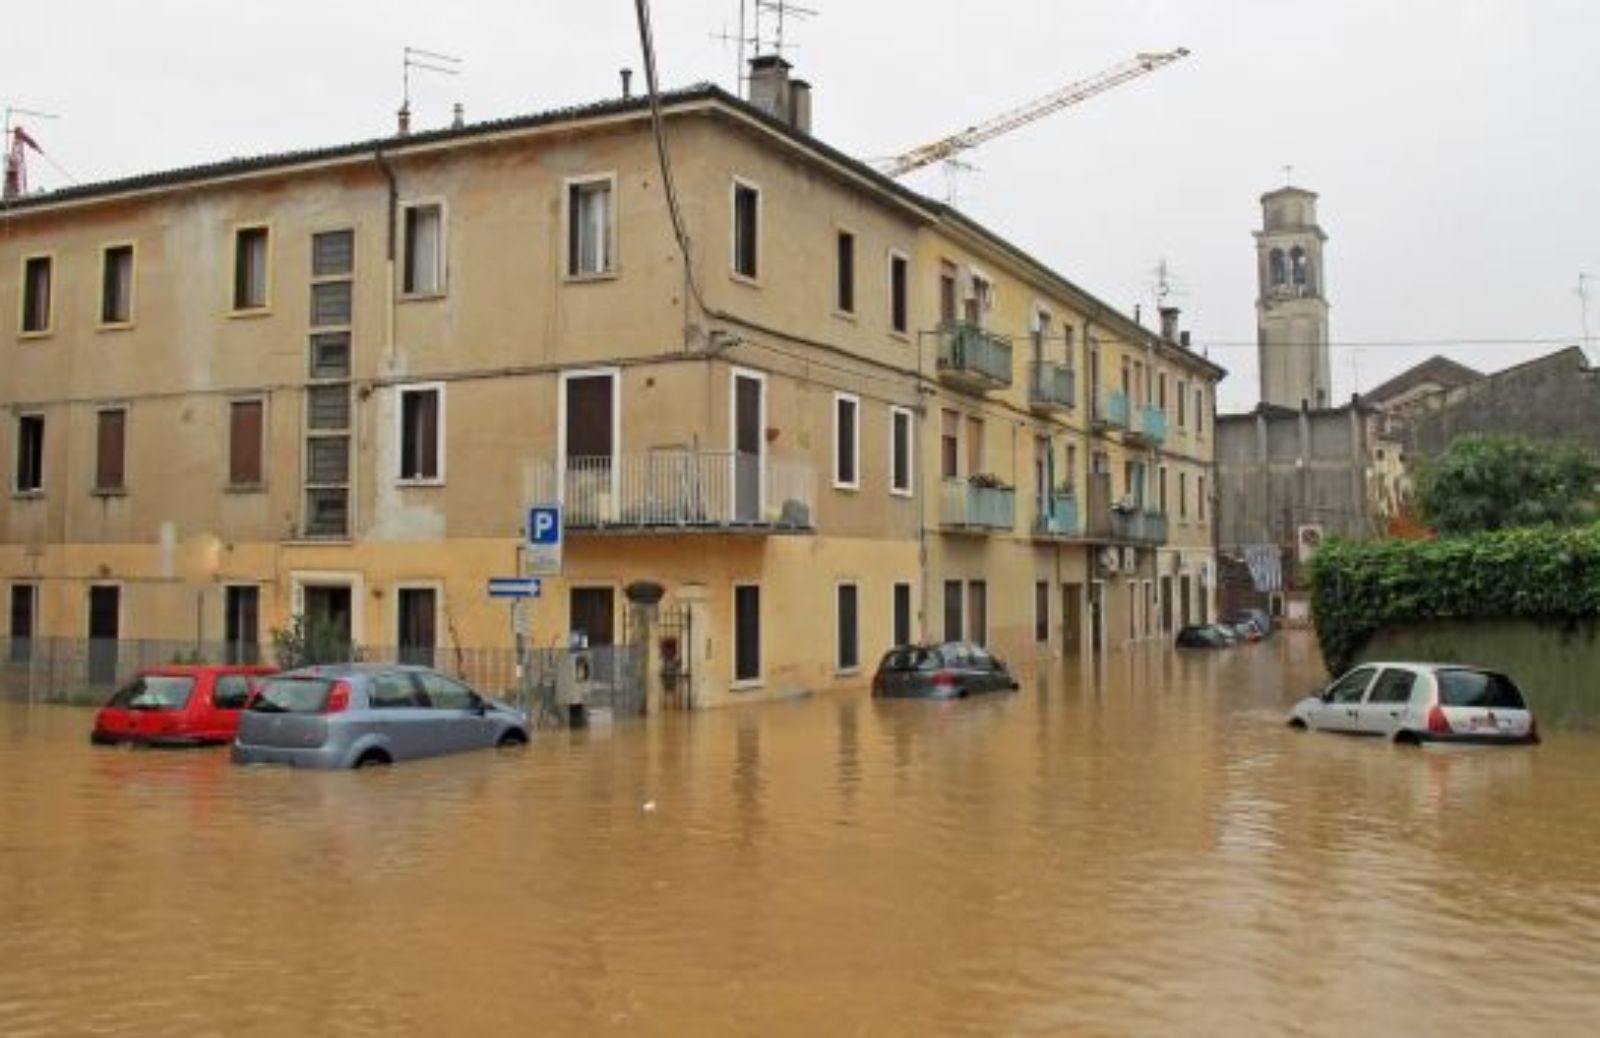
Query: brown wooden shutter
{"points": [[244, 443], [108, 458]]}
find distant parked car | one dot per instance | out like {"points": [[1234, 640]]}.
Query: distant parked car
{"points": [[1421, 703], [1244, 629], [1255, 618], [1204, 636], [353, 715], [177, 706], [946, 671]]}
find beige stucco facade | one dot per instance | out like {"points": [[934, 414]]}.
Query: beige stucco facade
{"points": [[696, 494]]}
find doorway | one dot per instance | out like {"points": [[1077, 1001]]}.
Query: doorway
{"points": [[1097, 634], [1071, 619], [749, 417], [241, 624], [105, 627], [329, 630], [417, 635], [1183, 602], [1166, 605]]}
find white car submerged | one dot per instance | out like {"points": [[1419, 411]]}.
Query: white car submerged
{"points": [[1421, 703]]}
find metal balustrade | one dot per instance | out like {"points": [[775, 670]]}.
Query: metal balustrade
{"points": [[985, 508], [1051, 386], [680, 488], [972, 356]]}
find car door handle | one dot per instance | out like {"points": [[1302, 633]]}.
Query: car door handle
{"points": [[1394, 713]]}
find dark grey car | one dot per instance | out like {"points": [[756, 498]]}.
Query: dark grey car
{"points": [[358, 714], [946, 671]]}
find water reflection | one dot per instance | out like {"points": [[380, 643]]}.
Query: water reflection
{"points": [[1129, 845]]}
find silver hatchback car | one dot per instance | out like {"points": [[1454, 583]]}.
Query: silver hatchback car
{"points": [[1421, 703], [359, 714]]}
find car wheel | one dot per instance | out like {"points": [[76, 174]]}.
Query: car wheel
{"points": [[373, 759], [1297, 724], [512, 738]]}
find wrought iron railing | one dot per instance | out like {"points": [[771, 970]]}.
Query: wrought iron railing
{"points": [[1051, 385], [1058, 515], [669, 488], [968, 351], [966, 505]]}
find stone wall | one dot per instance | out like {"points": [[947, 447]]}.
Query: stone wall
{"points": [[1553, 398]]}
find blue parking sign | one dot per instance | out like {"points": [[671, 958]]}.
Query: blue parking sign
{"points": [[544, 539]]}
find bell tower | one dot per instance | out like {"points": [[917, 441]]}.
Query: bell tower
{"points": [[1291, 308]]}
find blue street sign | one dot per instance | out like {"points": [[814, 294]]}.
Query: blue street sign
{"points": [[514, 587], [544, 525]]}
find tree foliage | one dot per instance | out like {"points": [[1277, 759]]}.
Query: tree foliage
{"points": [[1358, 587], [308, 641], [1502, 482]]}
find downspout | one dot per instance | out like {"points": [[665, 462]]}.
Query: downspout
{"points": [[389, 249]]}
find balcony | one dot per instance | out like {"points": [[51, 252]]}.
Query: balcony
{"points": [[1058, 516], [965, 506], [1111, 409], [1149, 427], [1051, 387], [680, 490], [1124, 521], [974, 359]]}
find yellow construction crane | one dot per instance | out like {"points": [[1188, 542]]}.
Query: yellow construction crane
{"points": [[1082, 90]]}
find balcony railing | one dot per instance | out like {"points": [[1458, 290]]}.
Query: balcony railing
{"points": [[1058, 516], [1139, 526], [680, 488], [1149, 425], [1051, 386], [1121, 521], [974, 358], [985, 508], [1112, 408]]}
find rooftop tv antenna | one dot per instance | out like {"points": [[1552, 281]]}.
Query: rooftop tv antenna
{"points": [[763, 29], [16, 143], [1584, 281], [425, 61]]}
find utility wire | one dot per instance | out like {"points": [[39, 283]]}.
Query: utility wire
{"points": [[1406, 344]]}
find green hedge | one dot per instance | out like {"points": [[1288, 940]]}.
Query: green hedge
{"points": [[1357, 587]]}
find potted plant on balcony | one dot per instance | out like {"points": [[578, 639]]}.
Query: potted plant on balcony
{"points": [[987, 481]]}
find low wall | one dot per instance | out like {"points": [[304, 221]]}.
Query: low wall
{"points": [[1556, 664]]}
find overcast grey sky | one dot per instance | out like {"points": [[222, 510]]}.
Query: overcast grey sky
{"points": [[1454, 142]]}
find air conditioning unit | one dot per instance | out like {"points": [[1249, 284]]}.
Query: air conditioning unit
{"points": [[1130, 559], [1109, 558]]}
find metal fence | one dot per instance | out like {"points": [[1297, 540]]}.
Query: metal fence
{"points": [[82, 670], [679, 488]]}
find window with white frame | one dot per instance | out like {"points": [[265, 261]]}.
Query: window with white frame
{"points": [[746, 230], [422, 433], [846, 441], [591, 226], [38, 297], [29, 473], [250, 268], [424, 249], [900, 441]]}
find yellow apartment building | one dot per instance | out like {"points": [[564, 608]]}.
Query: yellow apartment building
{"points": [[833, 416]]}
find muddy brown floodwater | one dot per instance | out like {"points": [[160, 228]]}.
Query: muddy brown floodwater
{"points": [[1142, 849]]}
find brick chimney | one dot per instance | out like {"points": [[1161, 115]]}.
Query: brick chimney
{"points": [[1169, 323], [773, 92]]}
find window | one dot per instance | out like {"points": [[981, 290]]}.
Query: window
{"points": [[394, 692], [1475, 688], [1200, 497], [333, 254], [1161, 491], [1182, 392], [849, 634], [241, 624], [980, 302], [424, 249], [1183, 495], [330, 355], [952, 610], [590, 224], [949, 445], [899, 280], [978, 612], [245, 429], [116, 285], [1069, 479], [947, 292], [30, 453], [1199, 410], [899, 451], [231, 693], [327, 400], [974, 445], [1349, 688], [110, 425], [747, 633], [844, 295], [416, 616], [846, 442], [1278, 268], [37, 301], [1161, 390], [445, 693], [422, 433], [24, 606], [250, 278], [1393, 686], [902, 614], [746, 230], [1041, 611]]}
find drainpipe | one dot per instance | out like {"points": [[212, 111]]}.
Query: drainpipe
{"points": [[389, 249]]}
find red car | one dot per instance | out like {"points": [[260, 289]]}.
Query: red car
{"points": [[177, 706]]}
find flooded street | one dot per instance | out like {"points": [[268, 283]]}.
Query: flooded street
{"points": [[1143, 850]]}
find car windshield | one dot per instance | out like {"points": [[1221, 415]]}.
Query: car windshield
{"points": [[902, 659], [154, 692], [1480, 689], [292, 696]]}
